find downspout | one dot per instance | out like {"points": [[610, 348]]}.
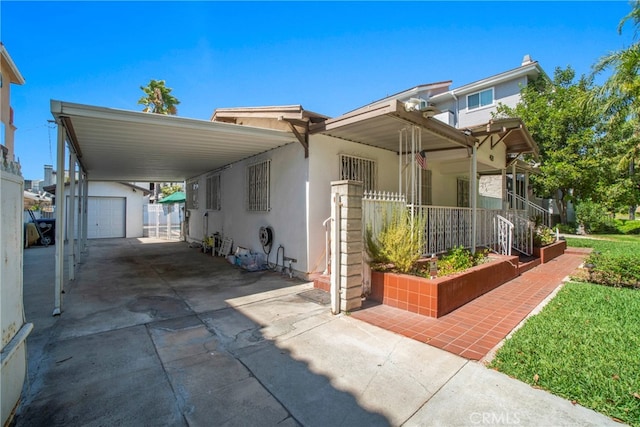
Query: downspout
{"points": [[457, 109]]}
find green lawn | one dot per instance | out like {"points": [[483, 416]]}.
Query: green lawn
{"points": [[585, 344]]}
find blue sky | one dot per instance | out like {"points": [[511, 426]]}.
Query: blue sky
{"points": [[331, 57]]}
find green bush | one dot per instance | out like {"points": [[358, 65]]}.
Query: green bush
{"points": [[543, 236], [594, 218], [568, 228], [459, 259], [625, 226], [619, 270], [399, 243]]}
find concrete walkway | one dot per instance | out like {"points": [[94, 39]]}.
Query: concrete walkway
{"points": [[156, 333]]}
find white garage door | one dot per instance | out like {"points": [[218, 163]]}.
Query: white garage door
{"points": [[106, 217]]}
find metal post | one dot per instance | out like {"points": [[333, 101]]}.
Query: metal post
{"points": [[60, 220], [505, 192], [79, 211], [473, 192], [514, 186], [85, 209], [71, 231]]}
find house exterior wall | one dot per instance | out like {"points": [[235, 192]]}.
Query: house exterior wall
{"points": [[288, 201], [507, 93], [324, 167], [444, 186]]}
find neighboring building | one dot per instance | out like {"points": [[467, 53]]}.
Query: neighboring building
{"points": [[14, 329], [288, 188], [114, 209]]}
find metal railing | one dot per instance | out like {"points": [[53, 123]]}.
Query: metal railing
{"points": [[504, 233], [530, 210]]}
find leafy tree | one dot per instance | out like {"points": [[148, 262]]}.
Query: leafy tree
{"points": [[566, 131], [169, 189], [619, 99], [158, 98]]}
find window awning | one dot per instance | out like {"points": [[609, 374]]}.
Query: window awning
{"points": [[120, 145]]}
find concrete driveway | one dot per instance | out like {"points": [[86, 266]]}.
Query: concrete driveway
{"points": [[157, 333]]}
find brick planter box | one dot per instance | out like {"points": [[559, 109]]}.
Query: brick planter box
{"points": [[549, 252], [442, 295]]}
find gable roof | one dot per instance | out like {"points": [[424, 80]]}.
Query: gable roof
{"points": [[14, 74], [531, 69]]}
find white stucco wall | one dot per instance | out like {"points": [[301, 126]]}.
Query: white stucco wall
{"points": [[324, 167], [288, 183]]}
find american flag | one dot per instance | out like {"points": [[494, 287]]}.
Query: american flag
{"points": [[421, 159]]}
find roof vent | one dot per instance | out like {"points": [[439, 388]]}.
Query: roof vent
{"points": [[526, 60]]}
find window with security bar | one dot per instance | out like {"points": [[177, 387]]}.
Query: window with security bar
{"points": [[359, 169], [257, 187], [213, 192], [463, 193], [192, 194], [426, 188]]}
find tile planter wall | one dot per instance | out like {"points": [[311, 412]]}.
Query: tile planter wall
{"points": [[549, 252], [442, 295]]}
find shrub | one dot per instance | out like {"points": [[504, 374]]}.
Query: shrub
{"points": [[543, 236], [459, 259], [594, 218], [628, 227], [619, 270], [568, 228], [399, 243]]}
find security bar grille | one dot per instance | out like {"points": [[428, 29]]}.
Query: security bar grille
{"points": [[213, 192], [258, 177], [359, 169]]}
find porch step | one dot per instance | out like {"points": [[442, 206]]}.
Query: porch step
{"points": [[322, 281]]}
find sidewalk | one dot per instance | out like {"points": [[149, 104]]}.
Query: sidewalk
{"points": [[155, 333]]}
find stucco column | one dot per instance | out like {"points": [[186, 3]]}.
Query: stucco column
{"points": [[346, 235]]}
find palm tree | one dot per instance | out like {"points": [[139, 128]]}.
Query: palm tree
{"points": [[619, 96], [158, 98]]}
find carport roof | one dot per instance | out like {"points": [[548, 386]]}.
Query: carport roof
{"points": [[120, 145]]}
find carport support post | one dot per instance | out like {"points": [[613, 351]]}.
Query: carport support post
{"points": [[79, 210], [60, 220], [85, 207], [71, 225], [346, 238]]}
